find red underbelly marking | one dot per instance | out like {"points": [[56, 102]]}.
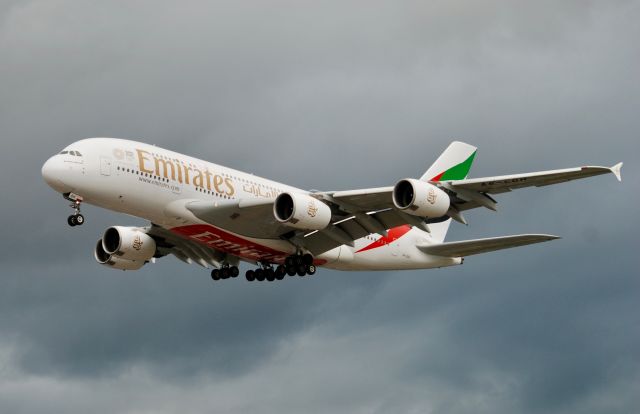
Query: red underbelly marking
{"points": [[228, 243], [392, 235]]}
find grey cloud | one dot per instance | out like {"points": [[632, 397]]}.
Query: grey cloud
{"points": [[329, 96]]}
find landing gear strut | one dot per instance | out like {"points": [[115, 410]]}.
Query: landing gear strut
{"points": [[76, 219]]}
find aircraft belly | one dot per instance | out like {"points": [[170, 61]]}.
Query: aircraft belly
{"points": [[253, 250]]}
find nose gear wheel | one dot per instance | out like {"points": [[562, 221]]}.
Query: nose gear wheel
{"points": [[76, 219]]}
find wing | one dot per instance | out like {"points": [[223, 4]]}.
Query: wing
{"points": [[467, 194], [248, 217], [471, 247], [254, 218], [358, 213]]}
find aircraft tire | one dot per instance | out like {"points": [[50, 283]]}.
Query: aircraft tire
{"points": [[307, 259], [250, 275], [224, 273], [270, 275], [215, 274], [71, 220], [259, 275]]}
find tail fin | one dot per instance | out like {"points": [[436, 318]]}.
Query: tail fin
{"points": [[453, 164], [439, 230]]}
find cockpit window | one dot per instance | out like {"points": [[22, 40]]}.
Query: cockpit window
{"points": [[78, 154], [64, 152]]}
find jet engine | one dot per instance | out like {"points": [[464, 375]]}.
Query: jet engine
{"points": [[301, 211], [125, 248], [420, 198], [114, 262]]}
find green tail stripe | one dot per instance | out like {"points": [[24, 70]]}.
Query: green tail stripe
{"points": [[460, 171]]}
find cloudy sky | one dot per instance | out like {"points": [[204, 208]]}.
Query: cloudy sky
{"points": [[327, 95]]}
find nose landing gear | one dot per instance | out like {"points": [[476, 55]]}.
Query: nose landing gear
{"points": [[76, 219]]}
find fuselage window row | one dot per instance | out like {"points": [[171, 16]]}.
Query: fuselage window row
{"points": [[137, 172]]}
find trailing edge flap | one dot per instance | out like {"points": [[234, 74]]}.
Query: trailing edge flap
{"points": [[471, 247]]}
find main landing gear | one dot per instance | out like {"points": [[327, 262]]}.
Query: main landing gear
{"points": [[225, 272], [76, 219], [298, 264]]}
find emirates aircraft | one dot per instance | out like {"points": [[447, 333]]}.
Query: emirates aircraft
{"points": [[217, 217]]}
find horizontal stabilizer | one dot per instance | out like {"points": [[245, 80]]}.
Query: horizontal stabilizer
{"points": [[471, 247]]}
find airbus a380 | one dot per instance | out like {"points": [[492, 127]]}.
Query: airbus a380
{"points": [[217, 217]]}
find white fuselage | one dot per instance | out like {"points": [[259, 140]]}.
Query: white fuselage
{"points": [[152, 183]]}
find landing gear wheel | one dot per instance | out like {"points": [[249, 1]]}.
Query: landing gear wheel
{"points": [[289, 261], [215, 274], [280, 272], [259, 275], [307, 259], [250, 275], [302, 270], [71, 220], [234, 271], [271, 275], [311, 270], [291, 270], [79, 218], [225, 273]]}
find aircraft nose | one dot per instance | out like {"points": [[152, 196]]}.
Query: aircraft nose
{"points": [[51, 171]]}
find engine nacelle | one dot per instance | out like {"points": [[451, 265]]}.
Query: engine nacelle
{"points": [[420, 198], [301, 211], [115, 262], [128, 243]]}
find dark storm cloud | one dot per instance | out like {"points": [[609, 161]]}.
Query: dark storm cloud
{"points": [[328, 96]]}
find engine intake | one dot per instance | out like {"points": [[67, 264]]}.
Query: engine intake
{"points": [[114, 262], [128, 243], [420, 198], [301, 211]]}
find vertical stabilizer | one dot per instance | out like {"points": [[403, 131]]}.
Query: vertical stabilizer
{"points": [[453, 164], [439, 230]]}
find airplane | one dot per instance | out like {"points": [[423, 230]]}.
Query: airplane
{"points": [[217, 217]]}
